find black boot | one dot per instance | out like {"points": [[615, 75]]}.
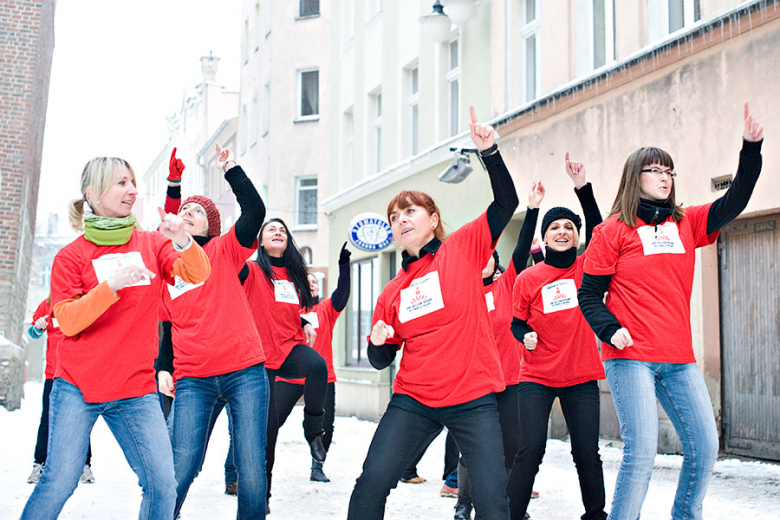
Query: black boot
{"points": [[313, 431], [463, 510], [317, 475]]}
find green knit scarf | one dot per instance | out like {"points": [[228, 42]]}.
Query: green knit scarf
{"points": [[105, 231]]}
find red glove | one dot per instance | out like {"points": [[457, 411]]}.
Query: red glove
{"points": [[175, 167]]}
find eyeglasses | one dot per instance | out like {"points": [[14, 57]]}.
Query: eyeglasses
{"points": [[660, 173]]}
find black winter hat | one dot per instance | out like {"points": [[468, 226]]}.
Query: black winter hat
{"points": [[559, 212]]}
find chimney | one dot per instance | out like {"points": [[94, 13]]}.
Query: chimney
{"points": [[209, 65]]}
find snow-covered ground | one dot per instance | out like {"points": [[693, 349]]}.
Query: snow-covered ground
{"points": [[740, 489]]}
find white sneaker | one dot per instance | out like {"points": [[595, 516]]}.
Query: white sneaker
{"points": [[36, 473], [86, 475]]}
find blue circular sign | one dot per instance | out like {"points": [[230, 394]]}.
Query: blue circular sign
{"points": [[370, 232]]}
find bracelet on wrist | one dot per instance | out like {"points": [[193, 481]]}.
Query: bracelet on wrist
{"points": [[490, 151], [225, 168]]}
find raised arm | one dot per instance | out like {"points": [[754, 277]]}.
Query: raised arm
{"points": [[505, 198], [584, 191], [734, 201], [526, 236], [249, 200], [173, 195], [340, 296]]}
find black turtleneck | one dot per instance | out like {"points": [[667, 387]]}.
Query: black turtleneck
{"points": [[560, 259], [722, 211]]}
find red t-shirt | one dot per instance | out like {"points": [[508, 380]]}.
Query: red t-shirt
{"points": [[498, 297], [437, 309], [323, 318], [276, 309], [211, 323], [566, 352], [53, 336], [113, 358], [652, 279]]}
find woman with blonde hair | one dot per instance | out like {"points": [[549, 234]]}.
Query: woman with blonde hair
{"points": [[105, 287]]}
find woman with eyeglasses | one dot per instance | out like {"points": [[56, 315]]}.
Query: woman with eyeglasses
{"points": [[644, 255]]}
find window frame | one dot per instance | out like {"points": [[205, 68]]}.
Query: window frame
{"points": [[299, 117], [453, 77], [361, 347], [532, 29], [297, 213], [301, 16]]}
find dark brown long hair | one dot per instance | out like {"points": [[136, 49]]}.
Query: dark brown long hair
{"points": [[417, 198], [627, 199]]}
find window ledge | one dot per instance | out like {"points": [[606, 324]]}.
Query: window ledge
{"points": [[307, 17], [306, 119], [304, 227]]}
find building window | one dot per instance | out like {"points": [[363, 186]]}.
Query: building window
{"points": [[306, 201], [348, 19], [669, 16], [349, 148], [306, 253], [308, 8], [255, 121], [245, 43], [603, 32], [375, 139], [530, 33], [414, 109], [453, 83], [266, 107], [365, 289], [46, 276], [309, 89]]}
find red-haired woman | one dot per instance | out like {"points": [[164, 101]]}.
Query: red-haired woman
{"points": [[435, 310]]}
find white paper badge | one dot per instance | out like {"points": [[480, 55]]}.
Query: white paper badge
{"points": [[108, 265], [55, 323], [284, 292], [559, 295], [180, 287], [312, 318], [491, 304], [423, 296], [665, 240]]}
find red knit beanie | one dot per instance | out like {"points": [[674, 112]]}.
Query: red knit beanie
{"points": [[215, 224]]}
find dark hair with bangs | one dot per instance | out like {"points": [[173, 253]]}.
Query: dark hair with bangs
{"points": [[293, 261], [417, 198], [627, 199]]}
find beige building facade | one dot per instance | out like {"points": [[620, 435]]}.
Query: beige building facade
{"points": [[597, 79]]}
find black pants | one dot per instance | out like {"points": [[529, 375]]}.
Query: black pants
{"points": [[303, 361], [407, 427], [580, 405], [509, 417], [42, 443], [451, 455], [287, 394]]}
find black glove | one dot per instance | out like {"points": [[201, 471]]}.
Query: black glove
{"points": [[344, 254]]}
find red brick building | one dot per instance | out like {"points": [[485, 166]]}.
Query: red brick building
{"points": [[26, 47]]}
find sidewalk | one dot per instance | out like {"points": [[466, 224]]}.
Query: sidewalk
{"points": [[740, 489]]}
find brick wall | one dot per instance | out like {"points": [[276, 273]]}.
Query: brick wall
{"points": [[26, 46]]}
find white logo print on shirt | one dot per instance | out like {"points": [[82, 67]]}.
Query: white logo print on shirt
{"points": [[559, 295], [491, 304], [180, 287], [284, 292], [423, 296], [107, 266], [666, 239]]}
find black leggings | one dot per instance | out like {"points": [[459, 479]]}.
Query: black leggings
{"points": [[287, 394], [302, 362]]}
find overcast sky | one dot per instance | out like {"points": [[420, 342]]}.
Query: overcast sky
{"points": [[120, 68]]}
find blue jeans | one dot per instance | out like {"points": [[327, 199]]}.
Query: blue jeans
{"points": [[139, 428], [199, 400], [680, 388], [403, 432]]}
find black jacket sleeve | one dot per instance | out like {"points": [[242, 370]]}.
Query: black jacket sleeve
{"points": [[500, 211], [524, 240], [538, 256], [590, 209], [380, 356], [164, 359], [734, 201], [520, 328], [243, 274], [252, 207], [340, 296], [598, 316]]}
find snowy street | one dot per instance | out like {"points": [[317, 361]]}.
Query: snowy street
{"points": [[739, 490]]}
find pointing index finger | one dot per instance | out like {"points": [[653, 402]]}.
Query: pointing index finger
{"points": [[567, 157], [473, 114], [162, 212], [747, 112]]}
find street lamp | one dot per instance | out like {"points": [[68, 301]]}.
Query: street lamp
{"points": [[460, 11], [437, 24]]}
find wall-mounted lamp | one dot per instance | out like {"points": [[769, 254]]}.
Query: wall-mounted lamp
{"points": [[460, 167], [460, 11], [437, 24]]}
